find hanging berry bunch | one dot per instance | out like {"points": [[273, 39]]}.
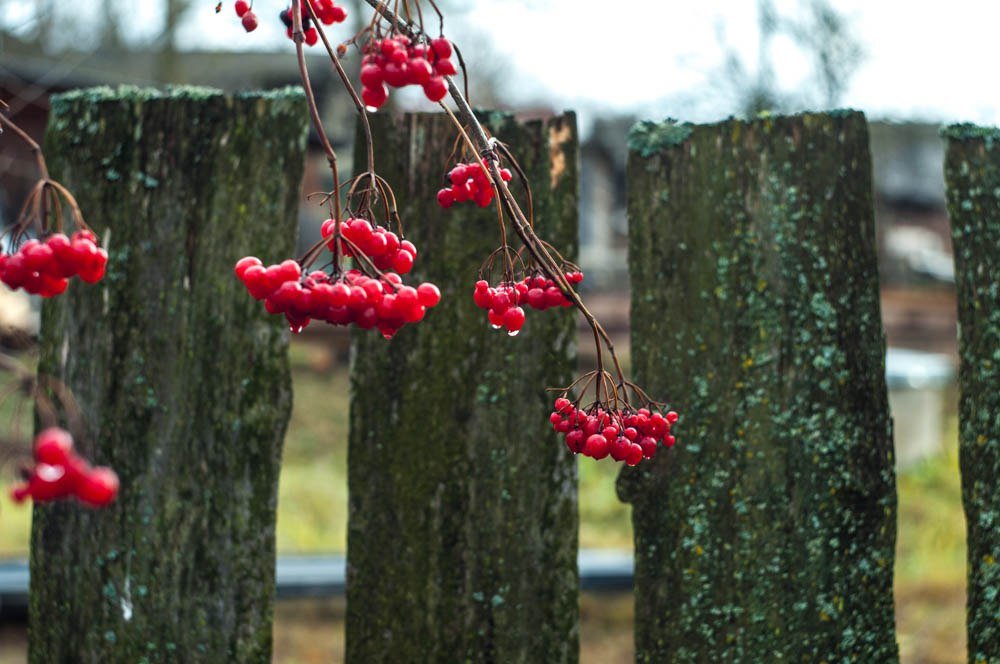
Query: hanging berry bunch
{"points": [[470, 182], [44, 265], [397, 51], [354, 298], [382, 246], [397, 61], [610, 425], [371, 293], [59, 473]]}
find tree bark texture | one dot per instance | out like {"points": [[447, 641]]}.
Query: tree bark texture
{"points": [[462, 534], [182, 378], [768, 532], [972, 172]]}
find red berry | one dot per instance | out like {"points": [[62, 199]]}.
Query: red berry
{"points": [[403, 262], [428, 294], [406, 245], [242, 7], [513, 319], [371, 76], [374, 96], [445, 67], [244, 263], [618, 448], [441, 47], [249, 21], [98, 488], [446, 198], [596, 447], [435, 88], [53, 446]]}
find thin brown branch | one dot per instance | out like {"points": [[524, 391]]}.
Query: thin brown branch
{"points": [[519, 220], [36, 149], [298, 37]]}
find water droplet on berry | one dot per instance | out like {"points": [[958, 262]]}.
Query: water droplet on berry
{"points": [[295, 329], [513, 333], [495, 327]]}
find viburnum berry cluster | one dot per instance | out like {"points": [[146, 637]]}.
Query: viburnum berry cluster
{"points": [[384, 303], [469, 182], [45, 267], [397, 52], [59, 473], [624, 435], [325, 11], [504, 301], [382, 246], [398, 61]]}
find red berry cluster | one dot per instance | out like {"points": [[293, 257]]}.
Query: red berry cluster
{"points": [[384, 303], [59, 472], [247, 17], [327, 12], [624, 435], [503, 301], [500, 302], [383, 247], [469, 182], [45, 267], [542, 293], [398, 62]]}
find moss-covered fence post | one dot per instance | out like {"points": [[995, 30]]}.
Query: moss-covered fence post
{"points": [[462, 533], [183, 379], [972, 172], [767, 534]]}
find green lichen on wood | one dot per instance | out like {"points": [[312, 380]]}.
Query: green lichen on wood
{"points": [[462, 533], [648, 137], [767, 534], [972, 172], [183, 379]]}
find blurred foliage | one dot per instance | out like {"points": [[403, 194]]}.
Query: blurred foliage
{"points": [[824, 36]]}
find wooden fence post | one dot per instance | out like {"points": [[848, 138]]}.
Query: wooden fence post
{"points": [[182, 377], [972, 172], [462, 533], [768, 532]]}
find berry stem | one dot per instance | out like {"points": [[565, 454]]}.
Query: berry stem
{"points": [[331, 157], [36, 149], [346, 80], [522, 226]]}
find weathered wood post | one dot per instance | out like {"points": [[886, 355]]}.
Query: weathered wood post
{"points": [[972, 172], [182, 377], [768, 532], [462, 533]]}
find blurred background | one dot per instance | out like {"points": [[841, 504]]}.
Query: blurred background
{"points": [[910, 68]]}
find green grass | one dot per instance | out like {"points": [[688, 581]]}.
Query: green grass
{"points": [[15, 428], [930, 545], [312, 493]]}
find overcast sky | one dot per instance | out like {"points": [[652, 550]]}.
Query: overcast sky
{"points": [[930, 61]]}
